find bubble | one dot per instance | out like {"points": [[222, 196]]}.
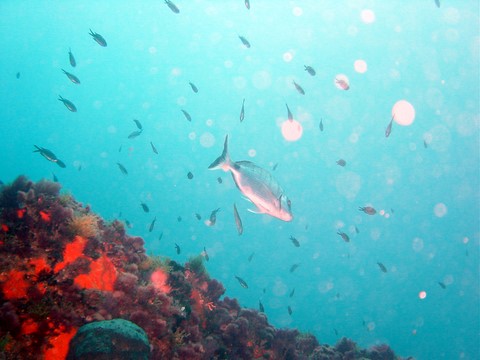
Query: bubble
{"points": [[279, 288], [325, 286], [192, 135], [287, 56], [209, 122], [97, 104], [422, 294], [417, 244], [371, 326], [207, 140], [368, 16], [297, 11], [252, 152], [440, 210], [176, 71], [152, 50], [292, 130], [465, 240], [360, 66], [262, 79], [403, 113], [341, 82], [182, 101]]}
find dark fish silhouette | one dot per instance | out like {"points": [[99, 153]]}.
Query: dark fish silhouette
{"points": [[219, 180], [17, 75], [194, 88], [73, 63], [72, 77], [368, 210], [69, 105], [251, 257], [295, 241], [177, 248], [260, 307], [98, 38], [344, 236], [290, 115], [242, 282], [382, 267], [242, 112], [134, 134], [299, 88], [138, 123], [49, 155], [122, 169], [213, 218], [388, 130], [289, 310], [190, 175], [341, 162], [145, 207], [152, 224], [310, 70], [172, 6], [320, 126], [247, 4], [244, 41], [292, 292], [238, 221], [442, 285], [187, 115], [154, 149], [294, 267], [437, 2], [205, 254]]}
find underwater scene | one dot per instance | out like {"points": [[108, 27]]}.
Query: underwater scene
{"points": [[240, 179]]}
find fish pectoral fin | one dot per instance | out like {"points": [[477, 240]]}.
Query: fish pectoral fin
{"points": [[258, 211]]}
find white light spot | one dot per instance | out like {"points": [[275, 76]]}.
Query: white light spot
{"points": [[279, 289], [417, 244], [368, 16], [360, 66], [297, 11], [207, 140], [192, 135], [181, 101], [209, 122], [262, 79], [252, 152], [152, 50], [176, 71], [422, 294], [440, 210], [287, 56]]}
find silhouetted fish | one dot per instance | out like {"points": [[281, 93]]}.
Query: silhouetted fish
{"points": [[238, 221], [138, 123], [145, 207], [17, 75], [152, 224], [341, 162], [72, 77], [289, 310], [442, 285], [242, 282], [98, 38], [244, 41], [69, 105], [290, 115], [172, 6], [256, 184], [299, 88], [310, 70], [122, 169], [247, 4], [194, 88], [344, 236], [134, 134], [260, 307], [154, 149], [242, 112], [294, 267], [50, 156], [382, 267], [177, 248], [368, 210], [295, 241], [320, 126], [73, 63], [187, 115], [388, 130]]}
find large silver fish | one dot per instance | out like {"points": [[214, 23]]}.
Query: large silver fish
{"points": [[256, 184]]}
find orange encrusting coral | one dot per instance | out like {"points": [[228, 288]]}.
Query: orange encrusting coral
{"points": [[72, 251], [102, 275], [29, 326], [14, 285], [159, 280], [59, 345]]}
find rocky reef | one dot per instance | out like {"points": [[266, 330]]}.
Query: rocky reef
{"points": [[62, 267]]}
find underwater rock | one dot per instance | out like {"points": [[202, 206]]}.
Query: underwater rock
{"points": [[112, 339]]}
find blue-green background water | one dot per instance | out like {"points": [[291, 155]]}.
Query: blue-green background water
{"points": [[415, 51]]}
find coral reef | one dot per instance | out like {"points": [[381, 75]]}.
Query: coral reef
{"points": [[62, 267]]}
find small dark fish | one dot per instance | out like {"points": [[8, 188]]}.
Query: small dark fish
{"points": [[425, 144], [198, 216], [356, 230], [194, 88], [187, 115], [274, 167], [213, 218], [172, 6], [190, 175], [98, 38], [129, 225], [134, 134], [260, 307], [152, 225], [144, 207], [177, 248], [122, 169], [388, 130], [437, 2], [247, 4], [120, 148], [138, 123], [295, 241], [368, 210], [70, 106], [294, 267], [244, 41], [154, 149], [320, 126], [179, 219], [290, 115], [242, 112], [55, 179], [344, 236], [219, 180], [80, 167], [442, 285], [299, 88], [49, 155], [289, 310], [242, 282], [341, 162], [310, 70], [292, 292], [251, 257], [238, 221], [335, 331], [73, 63], [382, 267], [205, 254], [160, 236], [72, 77], [17, 75]]}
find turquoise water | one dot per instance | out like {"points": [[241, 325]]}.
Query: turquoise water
{"points": [[423, 179]]}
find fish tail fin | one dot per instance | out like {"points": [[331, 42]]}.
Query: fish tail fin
{"points": [[223, 161], [38, 149]]}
